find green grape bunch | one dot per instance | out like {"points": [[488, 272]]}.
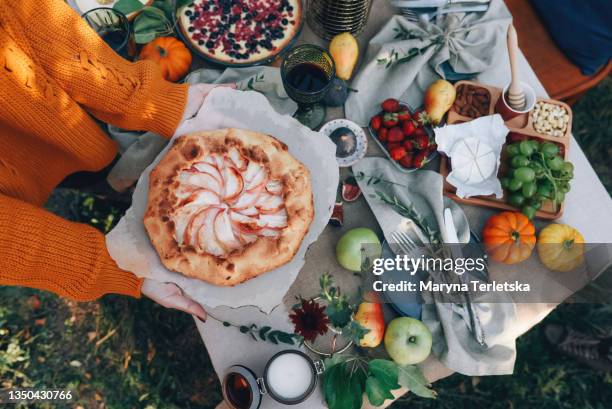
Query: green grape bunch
{"points": [[536, 173]]}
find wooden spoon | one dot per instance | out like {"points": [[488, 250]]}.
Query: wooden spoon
{"points": [[515, 96]]}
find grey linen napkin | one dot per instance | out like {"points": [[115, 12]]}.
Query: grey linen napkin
{"points": [[453, 343], [138, 149], [467, 42]]}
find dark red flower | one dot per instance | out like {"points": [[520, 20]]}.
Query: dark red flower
{"points": [[310, 320]]}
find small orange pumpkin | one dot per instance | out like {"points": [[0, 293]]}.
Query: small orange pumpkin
{"points": [[171, 55], [509, 237]]}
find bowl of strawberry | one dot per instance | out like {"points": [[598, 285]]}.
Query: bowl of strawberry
{"points": [[404, 134]]}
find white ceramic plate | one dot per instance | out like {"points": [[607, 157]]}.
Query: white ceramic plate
{"points": [[362, 141]]}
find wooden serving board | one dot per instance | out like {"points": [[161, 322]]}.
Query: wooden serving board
{"points": [[520, 125]]}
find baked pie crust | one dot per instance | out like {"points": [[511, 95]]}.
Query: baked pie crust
{"points": [[226, 206]]}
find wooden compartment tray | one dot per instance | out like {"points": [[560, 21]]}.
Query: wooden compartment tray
{"points": [[520, 126]]}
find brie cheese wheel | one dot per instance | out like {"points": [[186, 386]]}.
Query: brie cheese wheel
{"points": [[473, 161]]}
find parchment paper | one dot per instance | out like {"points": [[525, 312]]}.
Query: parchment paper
{"points": [[129, 245]]}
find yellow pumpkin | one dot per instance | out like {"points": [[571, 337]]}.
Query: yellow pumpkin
{"points": [[561, 247], [171, 54]]}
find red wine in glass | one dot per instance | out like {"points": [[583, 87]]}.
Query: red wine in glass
{"points": [[114, 38], [307, 77], [307, 72]]}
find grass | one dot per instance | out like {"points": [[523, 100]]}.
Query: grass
{"points": [[125, 353]]}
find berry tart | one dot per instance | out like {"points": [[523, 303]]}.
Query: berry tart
{"points": [[240, 32]]}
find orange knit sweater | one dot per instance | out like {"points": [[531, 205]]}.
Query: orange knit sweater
{"points": [[54, 70]]}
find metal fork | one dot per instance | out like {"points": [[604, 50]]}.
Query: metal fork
{"points": [[404, 242]]}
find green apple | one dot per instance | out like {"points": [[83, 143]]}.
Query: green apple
{"points": [[356, 246], [407, 341]]}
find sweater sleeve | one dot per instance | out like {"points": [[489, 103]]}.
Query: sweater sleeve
{"points": [[44, 251], [129, 95]]}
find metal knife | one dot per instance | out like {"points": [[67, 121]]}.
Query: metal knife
{"points": [[453, 241]]}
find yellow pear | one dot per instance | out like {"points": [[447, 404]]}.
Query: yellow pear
{"points": [[439, 97], [345, 52]]}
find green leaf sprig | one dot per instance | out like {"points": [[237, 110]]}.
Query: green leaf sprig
{"points": [[264, 333], [152, 21], [347, 378], [340, 310]]}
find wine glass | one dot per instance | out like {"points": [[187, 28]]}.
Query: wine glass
{"points": [[113, 26], [307, 72]]}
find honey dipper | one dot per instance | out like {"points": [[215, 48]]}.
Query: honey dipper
{"points": [[515, 96]]}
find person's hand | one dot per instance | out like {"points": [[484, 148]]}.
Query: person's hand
{"points": [[171, 296], [196, 95]]}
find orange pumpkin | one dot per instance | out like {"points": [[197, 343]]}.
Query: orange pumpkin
{"points": [[171, 55], [509, 237]]}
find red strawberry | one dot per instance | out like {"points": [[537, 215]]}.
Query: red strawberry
{"points": [[396, 134], [393, 145], [383, 133], [390, 105], [420, 131], [397, 153], [403, 114], [421, 118], [407, 161], [376, 122], [408, 145], [389, 120], [420, 159], [408, 128], [422, 141], [431, 149]]}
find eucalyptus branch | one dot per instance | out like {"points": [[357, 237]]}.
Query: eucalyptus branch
{"points": [[404, 209], [409, 211], [395, 58], [264, 333]]}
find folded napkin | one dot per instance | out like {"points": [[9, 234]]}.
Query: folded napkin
{"points": [[467, 42], [453, 343], [138, 149]]}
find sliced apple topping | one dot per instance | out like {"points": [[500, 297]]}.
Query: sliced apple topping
{"points": [[249, 211], [246, 200], [212, 170], [198, 179], [207, 238], [274, 220], [268, 203], [245, 224], [233, 183], [239, 161], [202, 197], [224, 233], [227, 202]]}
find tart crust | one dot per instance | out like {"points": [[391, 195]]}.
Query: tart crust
{"points": [[253, 259]]}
